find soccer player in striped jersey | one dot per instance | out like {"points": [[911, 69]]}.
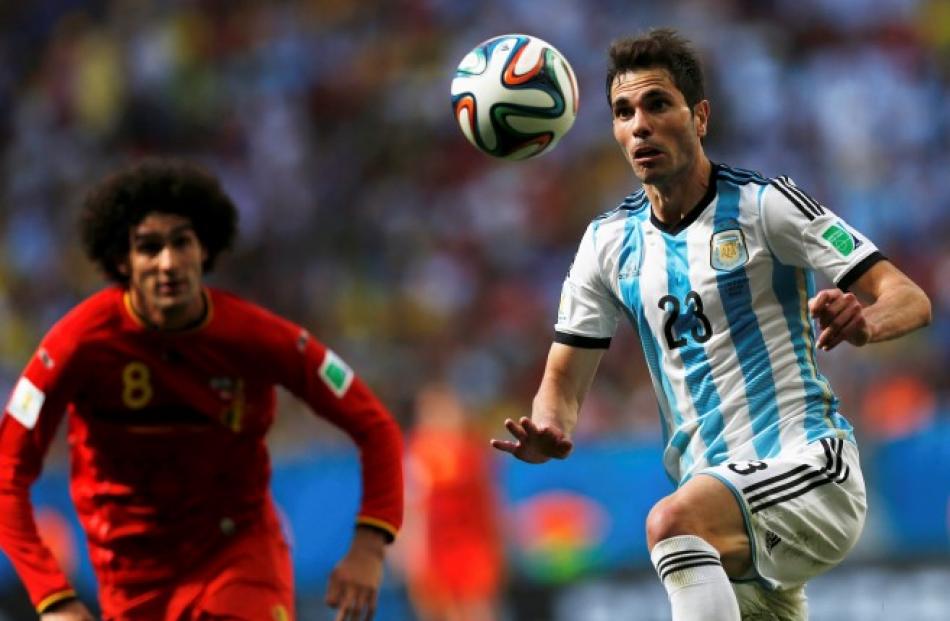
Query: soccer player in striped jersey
{"points": [[714, 267], [169, 389]]}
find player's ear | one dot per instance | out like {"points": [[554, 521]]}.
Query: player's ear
{"points": [[701, 117]]}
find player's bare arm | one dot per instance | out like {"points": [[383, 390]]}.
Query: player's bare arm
{"points": [[354, 584], [885, 304], [73, 610], [547, 434]]}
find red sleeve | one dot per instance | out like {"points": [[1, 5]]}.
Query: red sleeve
{"points": [[331, 388], [29, 423]]}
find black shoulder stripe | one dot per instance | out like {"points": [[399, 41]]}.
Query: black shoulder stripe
{"points": [[817, 209], [741, 180], [584, 342], [793, 199], [741, 175], [747, 171]]}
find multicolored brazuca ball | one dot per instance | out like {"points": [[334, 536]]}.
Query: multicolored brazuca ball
{"points": [[514, 96]]}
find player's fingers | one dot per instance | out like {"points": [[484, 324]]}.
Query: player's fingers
{"points": [[345, 614], [352, 609], [368, 605], [563, 448], [548, 435], [829, 338], [844, 316], [845, 311], [516, 429], [334, 594], [832, 308], [346, 610], [506, 445], [528, 425], [817, 303], [341, 614], [841, 304], [823, 339], [834, 314], [854, 329]]}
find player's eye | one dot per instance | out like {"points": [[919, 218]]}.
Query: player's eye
{"points": [[623, 112], [149, 247], [183, 241]]}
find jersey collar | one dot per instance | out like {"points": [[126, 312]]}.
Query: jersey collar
{"points": [[707, 198]]}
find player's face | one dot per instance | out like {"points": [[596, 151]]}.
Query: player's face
{"points": [[656, 129], [164, 268]]}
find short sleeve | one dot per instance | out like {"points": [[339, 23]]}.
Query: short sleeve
{"points": [[588, 312], [802, 232]]}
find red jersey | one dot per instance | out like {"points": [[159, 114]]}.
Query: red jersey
{"points": [[166, 435]]}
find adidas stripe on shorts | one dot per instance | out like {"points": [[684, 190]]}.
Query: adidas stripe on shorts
{"points": [[803, 511]]}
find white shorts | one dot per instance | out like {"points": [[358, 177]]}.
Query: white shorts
{"points": [[803, 511]]}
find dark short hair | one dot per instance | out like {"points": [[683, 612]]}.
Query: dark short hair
{"points": [[664, 48], [123, 199]]}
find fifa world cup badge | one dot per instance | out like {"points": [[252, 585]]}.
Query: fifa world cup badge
{"points": [[728, 250]]}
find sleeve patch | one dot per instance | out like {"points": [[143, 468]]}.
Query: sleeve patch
{"points": [[336, 374], [839, 238], [26, 402]]}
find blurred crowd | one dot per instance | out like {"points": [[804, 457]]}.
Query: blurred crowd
{"points": [[367, 217]]}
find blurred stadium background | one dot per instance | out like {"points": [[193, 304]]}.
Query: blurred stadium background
{"points": [[431, 268]]}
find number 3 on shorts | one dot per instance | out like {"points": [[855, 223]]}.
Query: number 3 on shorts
{"points": [[747, 467]]}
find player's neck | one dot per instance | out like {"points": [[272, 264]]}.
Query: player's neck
{"points": [[672, 199]]}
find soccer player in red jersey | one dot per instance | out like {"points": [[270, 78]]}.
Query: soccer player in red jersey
{"points": [[169, 387]]}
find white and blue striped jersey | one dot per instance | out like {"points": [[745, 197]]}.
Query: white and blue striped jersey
{"points": [[720, 305]]}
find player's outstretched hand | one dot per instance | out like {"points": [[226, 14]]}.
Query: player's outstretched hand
{"points": [[532, 443], [354, 583], [73, 610], [840, 318]]}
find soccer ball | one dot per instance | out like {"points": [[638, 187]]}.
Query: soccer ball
{"points": [[514, 96]]}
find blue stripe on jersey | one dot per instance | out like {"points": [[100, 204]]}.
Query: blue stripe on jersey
{"points": [[751, 350], [791, 289], [834, 418], [699, 380], [632, 250]]}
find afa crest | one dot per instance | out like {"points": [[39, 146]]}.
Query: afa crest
{"points": [[727, 250]]}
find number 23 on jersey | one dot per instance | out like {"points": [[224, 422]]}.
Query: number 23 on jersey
{"points": [[691, 305]]}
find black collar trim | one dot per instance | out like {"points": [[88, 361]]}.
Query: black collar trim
{"points": [[694, 213]]}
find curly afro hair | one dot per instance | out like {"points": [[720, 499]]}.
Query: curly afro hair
{"points": [[122, 200]]}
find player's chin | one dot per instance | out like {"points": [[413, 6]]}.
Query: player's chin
{"points": [[170, 302], [178, 294], [647, 174]]}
